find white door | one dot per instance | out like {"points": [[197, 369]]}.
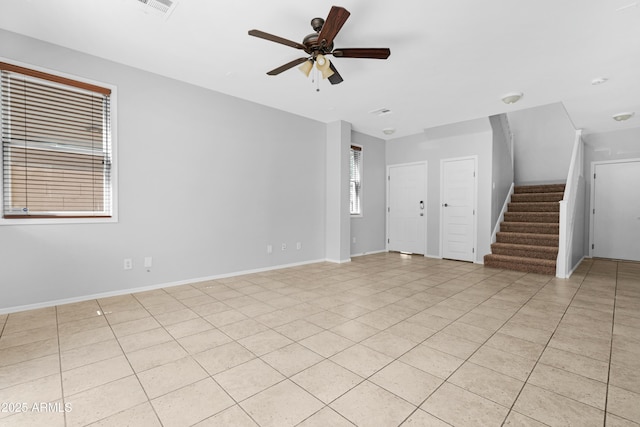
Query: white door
{"points": [[407, 208], [458, 209], [616, 214]]}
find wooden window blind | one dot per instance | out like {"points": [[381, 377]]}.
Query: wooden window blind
{"points": [[355, 180], [56, 146]]}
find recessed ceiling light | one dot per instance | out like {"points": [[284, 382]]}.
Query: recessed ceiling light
{"points": [[599, 80], [388, 131], [512, 98], [621, 117]]}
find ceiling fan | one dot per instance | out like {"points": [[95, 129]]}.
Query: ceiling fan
{"points": [[320, 44]]}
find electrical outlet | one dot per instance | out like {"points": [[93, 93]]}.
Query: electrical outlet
{"points": [[269, 249], [128, 263], [148, 262], [298, 246], [284, 246], [353, 240]]}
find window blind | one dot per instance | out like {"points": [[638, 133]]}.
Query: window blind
{"points": [[355, 181], [56, 146]]}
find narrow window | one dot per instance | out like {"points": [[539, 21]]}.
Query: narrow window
{"points": [[356, 180], [56, 146]]}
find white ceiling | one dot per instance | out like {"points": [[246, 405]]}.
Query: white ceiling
{"points": [[451, 60]]}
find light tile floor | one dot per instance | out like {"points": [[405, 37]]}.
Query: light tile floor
{"points": [[385, 340]]}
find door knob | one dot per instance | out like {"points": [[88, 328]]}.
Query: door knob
{"points": [[445, 205]]}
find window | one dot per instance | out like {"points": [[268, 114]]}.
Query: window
{"points": [[56, 146], [356, 180]]}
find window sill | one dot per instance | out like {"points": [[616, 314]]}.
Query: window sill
{"points": [[58, 221]]}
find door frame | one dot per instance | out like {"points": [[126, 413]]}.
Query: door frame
{"points": [[426, 204], [475, 204], [592, 197]]}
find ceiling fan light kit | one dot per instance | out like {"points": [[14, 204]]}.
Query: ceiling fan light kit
{"points": [[324, 66], [320, 44], [306, 67]]}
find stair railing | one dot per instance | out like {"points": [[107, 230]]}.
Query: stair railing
{"points": [[505, 207], [568, 208], [506, 129]]}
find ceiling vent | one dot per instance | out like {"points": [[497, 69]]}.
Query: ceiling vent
{"points": [[380, 112], [159, 8]]}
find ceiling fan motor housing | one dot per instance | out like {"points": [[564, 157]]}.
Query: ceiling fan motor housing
{"points": [[313, 45]]}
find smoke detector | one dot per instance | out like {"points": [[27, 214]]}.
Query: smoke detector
{"points": [[159, 8]]}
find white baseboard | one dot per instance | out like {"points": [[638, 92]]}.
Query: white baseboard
{"points": [[576, 266], [369, 253], [150, 287], [339, 261]]}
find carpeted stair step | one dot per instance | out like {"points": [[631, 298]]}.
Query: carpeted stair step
{"points": [[528, 265], [534, 207], [527, 239], [532, 217], [528, 251], [530, 227], [528, 236], [536, 197], [549, 188]]}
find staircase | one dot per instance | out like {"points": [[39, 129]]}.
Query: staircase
{"points": [[528, 236]]}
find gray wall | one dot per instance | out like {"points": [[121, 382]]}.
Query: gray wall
{"points": [[206, 181], [502, 166], [472, 138], [544, 138], [338, 218], [369, 229]]}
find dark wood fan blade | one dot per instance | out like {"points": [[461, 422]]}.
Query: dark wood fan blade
{"points": [[335, 78], [271, 37], [286, 66], [372, 53], [334, 22]]}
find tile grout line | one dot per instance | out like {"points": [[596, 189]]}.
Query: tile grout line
{"points": [[380, 290], [364, 379], [235, 402], [4, 323], [476, 350], [545, 348], [188, 355], [613, 325], [60, 366], [507, 320], [124, 353]]}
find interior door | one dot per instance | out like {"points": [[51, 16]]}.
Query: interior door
{"points": [[458, 209], [407, 208], [616, 214]]}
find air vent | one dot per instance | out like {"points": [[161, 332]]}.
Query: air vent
{"points": [[380, 112], [160, 8]]}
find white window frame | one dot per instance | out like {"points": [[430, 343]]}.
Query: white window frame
{"points": [[359, 214], [114, 157]]}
